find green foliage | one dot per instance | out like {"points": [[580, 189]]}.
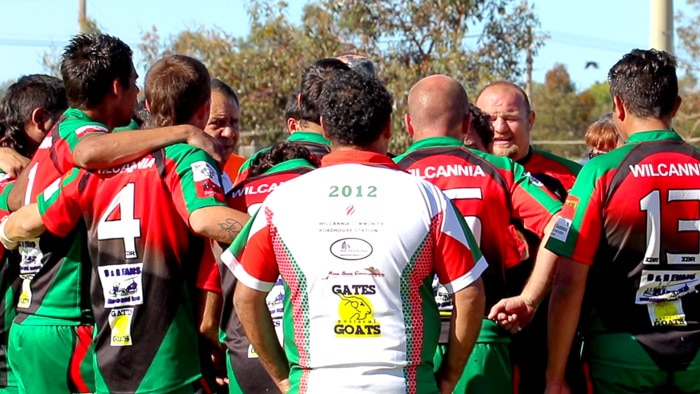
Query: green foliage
{"points": [[561, 113], [687, 121], [476, 41]]}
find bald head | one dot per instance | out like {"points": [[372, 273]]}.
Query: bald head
{"points": [[438, 106]]}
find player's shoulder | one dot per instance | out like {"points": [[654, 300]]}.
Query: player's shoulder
{"points": [[75, 122], [570, 165]]}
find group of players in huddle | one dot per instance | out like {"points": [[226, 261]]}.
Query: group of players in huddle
{"points": [[133, 264]]}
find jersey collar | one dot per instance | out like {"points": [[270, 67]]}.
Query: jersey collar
{"points": [[434, 142], [527, 157], [654, 135], [76, 113], [357, 157], [308, 136]]}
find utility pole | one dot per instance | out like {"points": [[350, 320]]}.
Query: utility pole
{"points": [[661, 25], [528, 66], [82, 16]]}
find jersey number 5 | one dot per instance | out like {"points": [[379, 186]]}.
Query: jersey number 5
{"points": [[468, 193], [126, 227]]}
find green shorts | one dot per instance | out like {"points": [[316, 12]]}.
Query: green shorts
{"points": [[489, 369], [52, 359], [619, 364], [233, 386]]}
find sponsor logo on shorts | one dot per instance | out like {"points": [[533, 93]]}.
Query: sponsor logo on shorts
{"points": [[667, 314], [351, 249]]}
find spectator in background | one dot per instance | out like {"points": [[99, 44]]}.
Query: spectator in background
{"points": [[225, 125], [602, 136]]}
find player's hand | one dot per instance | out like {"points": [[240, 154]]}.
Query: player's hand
{"points": [[513, 314], [207, 143], [218, 358], [557, 388], [6, 242], [12, 162], [284, 385]]}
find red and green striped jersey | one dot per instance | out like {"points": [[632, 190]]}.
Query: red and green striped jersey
{"points": [[55, 282], [318, 145], [143, 256], [489, 191], [9, 288], [357, 269], [556, 173], [634, 215], [249, 196]]}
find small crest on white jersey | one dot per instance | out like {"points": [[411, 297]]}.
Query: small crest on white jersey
{"points": [[89, 129]]}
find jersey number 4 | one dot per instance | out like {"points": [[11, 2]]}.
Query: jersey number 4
{"points": [[126, 227], [651, 204]]}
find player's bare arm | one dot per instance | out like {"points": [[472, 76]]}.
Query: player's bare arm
{"points": [[22, 225], [107, 150], [467, 315], [222, 224], [564, 312], [254, 314], [514, 313]]}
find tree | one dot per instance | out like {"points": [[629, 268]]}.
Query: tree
{"points": [[561, 113], [687, 121], [407, 39]]}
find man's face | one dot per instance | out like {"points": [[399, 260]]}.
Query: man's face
{"points": [[128, 103], [224, 120], [510, 120]]}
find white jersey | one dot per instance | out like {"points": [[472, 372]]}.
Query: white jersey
{"points": [[357, 247]]}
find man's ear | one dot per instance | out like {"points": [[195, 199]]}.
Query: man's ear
{"points": [[676, 106], [323, 126], [386, 133], [619, 110], [292, 125], [408, 124], [531, 119], [38, 118], [117, 87], [147, 104], [466, 125]]}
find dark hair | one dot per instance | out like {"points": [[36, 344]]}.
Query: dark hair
{"points": [[89, 65], [21, 99], [141, 115], [279, 153], [481, 123], [291, 110], [222, 87], [355, 109], [646, 81], [506, 84], [312, 80], [176, 87]]}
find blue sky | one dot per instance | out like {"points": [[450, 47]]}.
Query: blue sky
{"points": [[580, 31]]}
